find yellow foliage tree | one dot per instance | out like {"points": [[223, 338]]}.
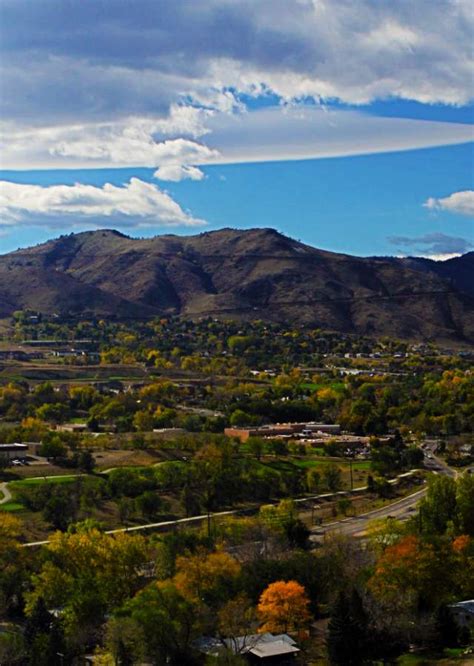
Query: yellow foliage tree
{"points": [[204, 575], [284, 606]]}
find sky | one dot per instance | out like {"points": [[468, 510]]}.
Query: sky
{"points": [[347, 124]]}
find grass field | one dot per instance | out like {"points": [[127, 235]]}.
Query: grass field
{"points": [[35, 481], [11, 506], [449, 656], [307, 464]]}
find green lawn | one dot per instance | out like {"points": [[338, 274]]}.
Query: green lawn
{"points": [[449, 656], [11, 506], [359, 464], [37, 480]]}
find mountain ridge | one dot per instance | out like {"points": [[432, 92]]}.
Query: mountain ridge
{"points": [[255, 273]]}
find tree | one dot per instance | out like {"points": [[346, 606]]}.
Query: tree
{"points": [[414, 568], [149, 504], [54, 448], [43, 636], [313, 480], [283, 607], [206, 577], [465, 503], [343, 505], [256, 446], [347, 640], [447, 630], [88, 573], [166, 624], [12, 569], [60, 509], [332, 477], [237, 619], [86, 461], [439, 506]]}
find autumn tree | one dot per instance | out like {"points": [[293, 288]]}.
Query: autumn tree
{"points": [[87, 573], [206, 577], [283, 606], [12, 569], [237, 619], [415, 568]]}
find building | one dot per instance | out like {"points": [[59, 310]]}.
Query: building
{"points": [[13, 451], [283, 429], [463, 612], [266, 648]]}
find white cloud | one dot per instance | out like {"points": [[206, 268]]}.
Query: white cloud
{"points": [[177, 172], [278, 133], [131, 145], [136, 204], [308, 132], [458, 202]]}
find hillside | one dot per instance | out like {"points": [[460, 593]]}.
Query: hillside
{"points": [[251, 274]]}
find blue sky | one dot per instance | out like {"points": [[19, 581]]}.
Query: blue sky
{"points": [[345, 124]]}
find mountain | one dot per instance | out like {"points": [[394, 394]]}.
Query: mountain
{"points": [[252, 274]]}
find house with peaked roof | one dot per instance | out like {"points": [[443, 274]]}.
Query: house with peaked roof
{"points": [[266, 648]]}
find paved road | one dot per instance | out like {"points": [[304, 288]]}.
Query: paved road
{"points": [[357, 525]]}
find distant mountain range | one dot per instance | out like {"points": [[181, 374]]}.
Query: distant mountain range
{"points": [[235, 274]]}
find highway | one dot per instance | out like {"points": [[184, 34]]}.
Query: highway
{"points": [[356, 526]]}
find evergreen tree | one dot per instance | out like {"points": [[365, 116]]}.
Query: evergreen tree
{"points": [[44, 637], [347, 640]]}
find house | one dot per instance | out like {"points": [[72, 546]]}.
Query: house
{"points": [[72, 427], [463, 612], [266, 648]]}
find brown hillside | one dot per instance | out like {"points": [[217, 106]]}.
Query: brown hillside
{"points": [[251, 274]]}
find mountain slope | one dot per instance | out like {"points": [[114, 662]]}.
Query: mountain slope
{"points": [[257, 273]]}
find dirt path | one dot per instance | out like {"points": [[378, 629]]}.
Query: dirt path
{"points": [[6, 493]]}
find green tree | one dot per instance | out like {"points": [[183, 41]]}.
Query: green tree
{"points": [[438, 509], [166, 622], [465, 503], [332, 477]]}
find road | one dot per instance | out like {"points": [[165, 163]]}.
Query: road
{"points": [[356, 526], [403, 509]]}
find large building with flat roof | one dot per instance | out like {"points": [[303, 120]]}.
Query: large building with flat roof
{"points": [[283, 429], [12, 451]]}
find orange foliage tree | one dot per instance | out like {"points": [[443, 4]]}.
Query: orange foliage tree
{"points": [[283, 607], [415, 567]]}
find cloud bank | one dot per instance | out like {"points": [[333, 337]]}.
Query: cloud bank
{"points": [[434, 245], [136, 204], [114, 60], [116, 83]]}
